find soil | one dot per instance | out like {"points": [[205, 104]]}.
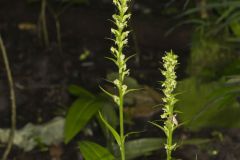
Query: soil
{"points": [[42, 74]]}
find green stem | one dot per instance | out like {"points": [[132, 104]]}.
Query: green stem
{"points": [[121, 120], [121, 19], [169, 144]]}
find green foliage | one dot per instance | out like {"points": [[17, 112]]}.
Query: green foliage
{"points": [[142, 147], [207, 100], [222, 17], [108, 111], [113, 131], [134, 149], [93, 151], [79, 91], [211, 48], [208, 55], [81, 111], [212, 104]]}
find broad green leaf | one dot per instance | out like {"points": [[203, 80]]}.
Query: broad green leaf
{"points": [[112, 130], [93, 151], [142, 147], [79, 91], [109, 113], [78, 115]]}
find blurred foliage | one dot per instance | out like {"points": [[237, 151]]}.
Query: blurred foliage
{"points": [[220, 16], [213, 104], [207, 98], [143, 147], [208, 55], [136, 148]]}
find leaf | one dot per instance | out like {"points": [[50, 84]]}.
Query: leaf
{"points": [[79, 91], [131, 133], [141, 147], [93, 151], [157, 125], [106, 92], [79, 114], [109, 113], [112, 59], [114, 133]]}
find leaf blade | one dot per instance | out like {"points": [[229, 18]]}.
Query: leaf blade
{"points": [[79, 114], [93, 151]]}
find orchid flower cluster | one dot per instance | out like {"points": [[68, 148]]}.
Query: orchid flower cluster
{"points": [[170, 122], [121, 40]]}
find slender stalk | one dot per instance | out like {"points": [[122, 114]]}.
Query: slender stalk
{"points": [[12, 98], [169, 143], [43, 23], [121, 40], [58, 27], [121, 119], [56, 15]]}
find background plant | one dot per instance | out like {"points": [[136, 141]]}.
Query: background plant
{"points": [[214, 57], [12, 99], [59, 9], [43, 31]]}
